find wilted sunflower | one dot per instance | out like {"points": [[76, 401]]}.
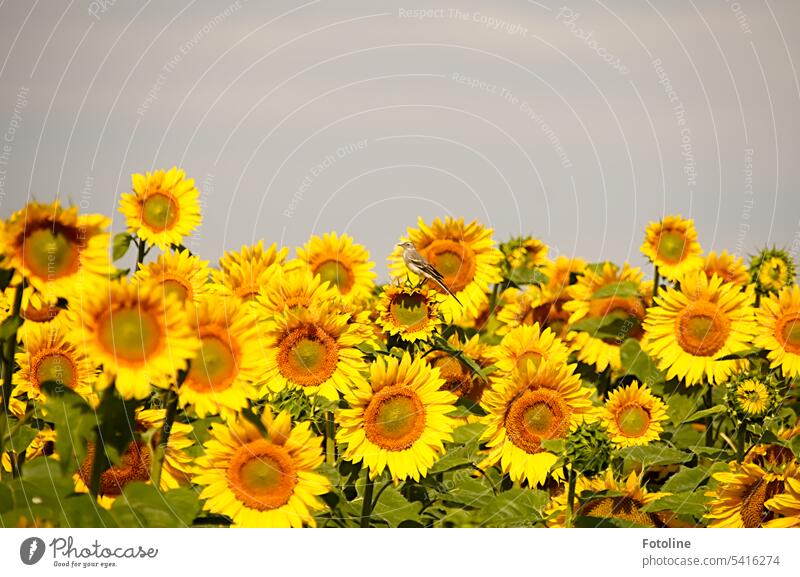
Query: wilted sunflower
{"points": [[672, 246], [398, 420], [243, 274], [292, 288], [633, 415], [740, 496], [778, 329], [466, 256], [527, 343], [588, 302], [222, 374], [606, 498], [771, 270], [262, 481], [458, 377], [690, 329], [786, 506], [136, 334], [313, 350], [727, 267], [410, 312], [535, 403], [341, 262], [178, 273], [47, 355], [163, 207], [59, 252]]}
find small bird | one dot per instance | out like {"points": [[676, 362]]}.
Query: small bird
{"points": [[417, 264]]}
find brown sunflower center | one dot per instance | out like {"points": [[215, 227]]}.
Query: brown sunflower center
{"points": [[454, 260], [394, 418], [160, 211], [553, 316], [307, 356], [410, 310], [262, 475], [788, 332], [134, 466], [622, 507], [337, 274], [752, 509], [536, 415], [130, 334], [180, 289], [56, 367], [633, 420], [702, 329], [43, 314], [52, 252], [215, 366], [672, 246]]}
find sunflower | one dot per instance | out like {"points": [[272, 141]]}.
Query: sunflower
{"points": [[671, 245], [43, 444], [221, 375], [398, 420], [179, 273], [750, 398], [606, 498], [58, 251], [137, 335], [163, 207], [727, 267], [290, 289], [778, 329], [262, 480], [466, 256], [410, 312], [314, 350], [633, 415], [525, 253], [243, 274], [47, 355], [458, 377], [739, 498], [535, 403], [785, 506], [46, 316], [771, 270], [561, 273], [134, 465], [517, 307], [588, 304], [342, 263], [527, 343], [690, 329], [176, 469]]}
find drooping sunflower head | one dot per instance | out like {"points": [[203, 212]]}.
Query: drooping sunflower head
{"points": [[59, 252], [459, 377], [222, 376], [727, 267], [633, 415], [163, 207], [398, 420], [465, 255], [751, 398], [771, 270], [524, 252], [262, 481], [242, 275], [410, 312], [177, 273], [672, 246], [177, 464], [527, 343], [342, 263], [778, 329], [133, 466], [535, 403], [136, 334], [293, 288], [691, 328], [738, 499]]}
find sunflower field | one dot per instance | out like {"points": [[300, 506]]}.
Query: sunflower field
{"points": [[292, 390]]}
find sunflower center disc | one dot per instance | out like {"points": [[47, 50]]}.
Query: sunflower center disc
{"points": [[409, 310], [308, 356], [214, 368], [52, 252], [159, 211], [57, 368], [633, 421], [789, 330], [134, 466], [336, 274], [536, 415], [539, 418], [625, 508], [130, 334], [702, 329], [394, 419], [262, 475], [671, 246], [175, 287], [44, 314], [752, 510], [454, 260]]}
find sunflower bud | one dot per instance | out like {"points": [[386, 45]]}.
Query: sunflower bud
{"points": [[588, 449], [771, 270], [751, 398]]}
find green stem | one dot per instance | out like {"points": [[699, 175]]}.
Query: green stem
{"points": [[656, 280], [8, 365], [161, 449], [142, 246], [741, 432], [330, 439], [571, 497], [708, 401], [99, 464], [366, 506]]}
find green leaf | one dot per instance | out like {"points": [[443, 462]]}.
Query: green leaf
{"points": [[657, 454], [710, 412], [6, 274], [611, 325], [467, 433], [21, 438], [516, 507], [75, 422], [523, 276], [455, 458], [121, 244], [745, 354], [638, 363], [687, 503], [469, 491], [81, 511], [6, 499], [142, 505], [621, 289], [686, 480], [794, 444], [117, 420], [9, 326], [393, 508]]}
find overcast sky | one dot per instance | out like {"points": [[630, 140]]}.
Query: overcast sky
{"points": [[576, 122]]}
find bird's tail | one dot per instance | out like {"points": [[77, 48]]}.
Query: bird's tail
{"points": [[447, 290]]}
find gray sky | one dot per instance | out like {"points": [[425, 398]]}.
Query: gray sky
{"points": [[576, 122]]}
